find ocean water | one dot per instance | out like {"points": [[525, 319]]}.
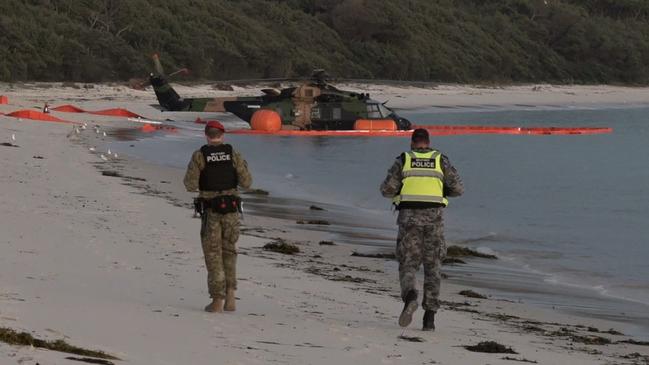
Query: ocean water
{"points": [[567, 215]]}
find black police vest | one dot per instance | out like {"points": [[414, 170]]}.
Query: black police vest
{"points": [[219, 172]]}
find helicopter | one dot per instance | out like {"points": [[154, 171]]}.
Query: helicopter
{"points": [[314, 105]]}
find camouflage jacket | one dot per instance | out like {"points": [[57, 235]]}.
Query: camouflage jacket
{"points": [[196, 165], [391, 187]]}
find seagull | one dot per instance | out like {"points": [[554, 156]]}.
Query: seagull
{"points": [[91, 149], [104, 134], [97, 130], [109, 152], [76, 130], [103, 157], [13, 137], [115, 154]]}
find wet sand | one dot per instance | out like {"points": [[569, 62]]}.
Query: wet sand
{"points": [[114, 263]]}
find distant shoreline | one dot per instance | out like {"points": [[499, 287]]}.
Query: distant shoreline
{"points": [[397, 96]]}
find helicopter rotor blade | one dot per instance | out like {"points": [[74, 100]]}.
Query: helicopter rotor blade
{"points": [[157, 65], [139, 83]]}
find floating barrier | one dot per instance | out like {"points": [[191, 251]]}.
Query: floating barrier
{"points": [[435, 130], [115, 112], [150, 128], [38, 116], [375, 125], [4, 99]]}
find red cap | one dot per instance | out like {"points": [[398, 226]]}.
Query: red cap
{"points": [[214, 124]]}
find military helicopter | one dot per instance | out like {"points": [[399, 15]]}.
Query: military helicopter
{"points": [[314, 104]]}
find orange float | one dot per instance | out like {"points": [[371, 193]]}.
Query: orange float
{"points": [[4, 99], [34, 115], [266, 120], [116, 112], [67, 108], [375, 125], [148, 128]]}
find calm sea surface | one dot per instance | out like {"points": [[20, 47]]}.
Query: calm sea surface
{"points": [[567, 215]]}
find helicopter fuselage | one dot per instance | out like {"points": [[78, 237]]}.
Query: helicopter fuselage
{"points": [[309, 106]]}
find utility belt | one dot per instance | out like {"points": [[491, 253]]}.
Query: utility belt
{"points": [[222, 204]]}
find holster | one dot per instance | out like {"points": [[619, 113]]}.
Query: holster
{"points": [[222, 204]]}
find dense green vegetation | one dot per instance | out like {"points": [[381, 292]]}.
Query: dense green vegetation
{"points": [[583, 41]]}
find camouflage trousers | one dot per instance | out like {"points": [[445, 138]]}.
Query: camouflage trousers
{"points": [[421, 241], [219, 235]]}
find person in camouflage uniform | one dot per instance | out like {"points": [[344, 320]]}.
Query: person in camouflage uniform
{"points": [[215, 170], [421, 227]]}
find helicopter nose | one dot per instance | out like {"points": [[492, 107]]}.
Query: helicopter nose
{"points": [[403, 123]]}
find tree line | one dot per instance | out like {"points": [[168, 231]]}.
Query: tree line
{"points": [[499, 41]]}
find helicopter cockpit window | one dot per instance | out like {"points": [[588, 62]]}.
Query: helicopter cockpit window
{"points": [[373, 111], [385, 111], [336, 114]]}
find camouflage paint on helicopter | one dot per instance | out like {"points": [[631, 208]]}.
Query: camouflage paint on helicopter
{"points": [[313, 105]]}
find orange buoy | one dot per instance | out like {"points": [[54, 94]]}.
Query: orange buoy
{"points": [[266, 120], [4, 99], [148, 128], [375, 125]]}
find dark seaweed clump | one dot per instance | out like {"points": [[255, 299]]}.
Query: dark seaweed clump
{"points": [[491, 347], [457, 251], [314, 221], [281, 246], [472, 294], [256, 192], [11, 337]]}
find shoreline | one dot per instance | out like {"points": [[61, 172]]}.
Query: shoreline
{"points": [[360, 292], [506, 279], [397, 96]]}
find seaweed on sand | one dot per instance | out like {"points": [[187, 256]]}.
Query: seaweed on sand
{"points": [[411, 338], [314, 221], [281, 246], [472, 294], [457, 251], [387, 255], [255, 192], [12, 337], [491, 347]]}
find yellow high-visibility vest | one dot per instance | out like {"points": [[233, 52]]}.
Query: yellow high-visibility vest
{"points": [[423, 179]]}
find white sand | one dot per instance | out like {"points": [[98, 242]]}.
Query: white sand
{"points": [[87, 258]]}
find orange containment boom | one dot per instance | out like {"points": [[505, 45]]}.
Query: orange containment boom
{"points": [[115, 112], [35, 115], [375, 125], [150, 128], [4, 99], [435, 130]]}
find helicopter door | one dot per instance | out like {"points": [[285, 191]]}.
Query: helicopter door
{"points": [[303, 100]]}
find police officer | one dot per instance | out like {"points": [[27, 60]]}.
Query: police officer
{"points": [[419, 182], [215, 170]]}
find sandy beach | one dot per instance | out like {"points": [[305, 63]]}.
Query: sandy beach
{"points": [[105, 254]]}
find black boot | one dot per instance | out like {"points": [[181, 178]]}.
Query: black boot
{"points": [[429, 321], [409, 308]]}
